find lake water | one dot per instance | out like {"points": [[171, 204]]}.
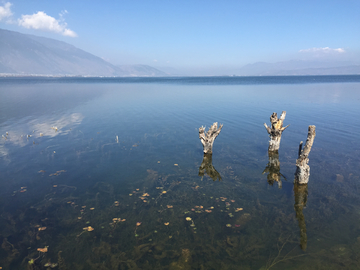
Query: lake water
{"points": [[108, 173]]}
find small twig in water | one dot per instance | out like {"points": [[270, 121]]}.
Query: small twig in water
{"points": [[277, 259]]}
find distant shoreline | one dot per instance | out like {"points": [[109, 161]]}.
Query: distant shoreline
{"points": [[189, 80], [6, 75]]}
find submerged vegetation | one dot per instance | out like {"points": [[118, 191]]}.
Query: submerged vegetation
{"points": [[175, 220]]}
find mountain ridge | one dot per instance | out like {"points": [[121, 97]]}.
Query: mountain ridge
{"points": [[299, 67], [22, 54], [30, 55]]}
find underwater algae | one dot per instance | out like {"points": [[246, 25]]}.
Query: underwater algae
{"points": [[179, 220], [130, 232]]}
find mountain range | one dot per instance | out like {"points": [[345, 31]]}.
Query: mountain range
{"points": [[299, 67], [24, 55], [32, 55]]}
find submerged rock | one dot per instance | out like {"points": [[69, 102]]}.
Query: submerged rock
{"points": [[184, 262], [243, 220], [339, 178]]}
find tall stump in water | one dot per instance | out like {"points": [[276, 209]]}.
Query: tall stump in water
{"points": [[302, 168], [276, 130], [207, 139]]}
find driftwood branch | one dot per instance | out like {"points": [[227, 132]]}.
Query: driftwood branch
{"points": [[276, 130], [207, 167], [302, 168], [208, 139]]}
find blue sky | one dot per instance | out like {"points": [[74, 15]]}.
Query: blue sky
{"points": [[194, 34]]}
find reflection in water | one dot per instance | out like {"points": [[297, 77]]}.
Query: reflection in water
{"points": [[207, 167], [47, 127], [52, 128], [43, 127], [169, 218], [301, 194], [273, 169]]}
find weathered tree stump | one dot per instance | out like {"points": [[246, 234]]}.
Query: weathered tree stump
{"points": [[207, 139], [276, 130], [207, 167], [273, 169], [301, 194], [302, 168]]}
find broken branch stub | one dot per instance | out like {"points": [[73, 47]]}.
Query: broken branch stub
{"points": [[302, 168], [207, 139], [276, 130]]}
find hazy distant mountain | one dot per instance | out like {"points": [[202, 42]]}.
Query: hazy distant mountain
{"points": [[298, 67], [32, 55], [344, 70], [171, 71], [28, 54], [141, 70]]}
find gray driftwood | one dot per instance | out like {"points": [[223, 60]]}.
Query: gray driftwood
{"points": [[302, 168], [207, 139], [276, 130], [207, 167], [301, 194]]}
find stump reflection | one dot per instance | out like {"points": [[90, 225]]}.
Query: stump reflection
{"points": [[273, 169], [301, 194], [206, 167]]}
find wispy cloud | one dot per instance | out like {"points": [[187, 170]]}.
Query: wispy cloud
{"points": [[5, 11], [42, 21], [325, 50]]}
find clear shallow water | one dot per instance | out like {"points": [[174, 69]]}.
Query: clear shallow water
{"points": [[54, 179]]}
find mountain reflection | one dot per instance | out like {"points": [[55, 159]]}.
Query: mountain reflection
{"points": [[273, 169], [301, 194], [206, 167]]}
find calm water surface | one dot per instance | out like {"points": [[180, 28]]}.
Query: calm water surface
{"points": [[109, 174]]}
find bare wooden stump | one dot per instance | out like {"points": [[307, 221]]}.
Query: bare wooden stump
{"points": [[302, 168], [276, 130], [273, 169], [207, 167], [207, 139], [301, 194]]}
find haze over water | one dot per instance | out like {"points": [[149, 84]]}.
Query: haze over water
{"points": [[122, 156]]}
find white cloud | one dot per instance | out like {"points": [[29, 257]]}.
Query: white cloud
{"points": [[42, 21], [5, 11], [62, 13], [325, 50]]}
